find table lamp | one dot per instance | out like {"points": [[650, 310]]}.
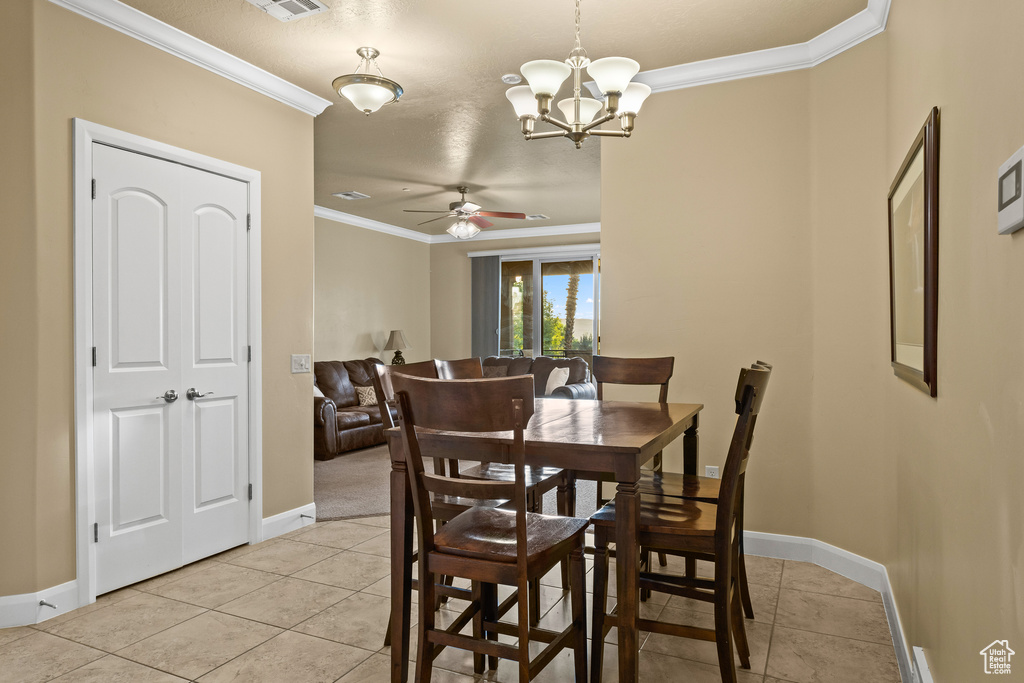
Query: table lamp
{"points": [[396, 342]]}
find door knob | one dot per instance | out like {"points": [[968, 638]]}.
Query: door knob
{"points": [[170, 396], [192, 394]]}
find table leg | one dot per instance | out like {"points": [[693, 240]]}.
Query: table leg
{"points": [[627, 561], [401, 574], [691, 443]]}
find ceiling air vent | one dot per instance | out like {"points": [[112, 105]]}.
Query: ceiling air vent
{"points": [[289, 10], [351, 194], [537, 217]]}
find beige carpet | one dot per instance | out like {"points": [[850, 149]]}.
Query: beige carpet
{"points": [[357, 485]]}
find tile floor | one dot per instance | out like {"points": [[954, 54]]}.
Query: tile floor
{"points": [[313, 606]]}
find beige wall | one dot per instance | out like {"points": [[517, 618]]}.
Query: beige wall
{"points": [[716, 269], [79, 68], [847, 453], [450, 295], [367, 284]]}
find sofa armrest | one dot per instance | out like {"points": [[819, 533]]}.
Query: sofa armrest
{"points": [[325, 428], [579, 390]]}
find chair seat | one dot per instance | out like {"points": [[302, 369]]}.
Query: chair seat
{"points": [[675, 485], [544, 478], [663, 515], [490, 534]]}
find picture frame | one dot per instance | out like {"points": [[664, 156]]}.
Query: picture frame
{"points": [[914, 260]]}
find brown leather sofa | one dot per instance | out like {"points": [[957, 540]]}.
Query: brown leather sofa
{"points": [[578, 385], [340, 424]]}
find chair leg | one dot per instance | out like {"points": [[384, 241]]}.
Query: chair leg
{"points": [[570, 493], [578, 587], [424, 649], [739, 631], [489, 606], [524, 630], [741, 571], [600, 598], [561, 499], [478, 626]]}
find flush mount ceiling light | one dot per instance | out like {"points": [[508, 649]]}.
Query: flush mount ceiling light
{"points": [[366, 90], [622, 98]]}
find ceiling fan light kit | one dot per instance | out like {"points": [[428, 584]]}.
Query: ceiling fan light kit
{"points": [[613, 76], [469, 216], [364, 89]]}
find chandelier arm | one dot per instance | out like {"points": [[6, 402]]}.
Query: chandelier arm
{"points": [[555, 122], [550, 134], [611, 133], [594, 124]]}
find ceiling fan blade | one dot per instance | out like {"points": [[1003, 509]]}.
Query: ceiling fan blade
{"points": [[501, 214], [439, 218], [480, 222], [423, 211]]}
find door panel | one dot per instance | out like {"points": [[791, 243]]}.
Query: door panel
{"points": [[170, 313]]}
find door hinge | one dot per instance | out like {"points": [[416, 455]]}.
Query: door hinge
{"points": [[250, 491], [94, 188], [248, 221], [250, 354], [96, 532], [94, 356]]}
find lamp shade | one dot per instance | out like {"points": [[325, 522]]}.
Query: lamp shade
{"points": [[612, 74], [588, 109], [367, 97], [545, 76], [463, 230], [396, 342], [522, 100], [633, 98]]}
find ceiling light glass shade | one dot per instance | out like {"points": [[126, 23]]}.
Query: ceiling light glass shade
{"points": [[633, 98], [613, 74], [522, 100], [463, 230], [367, 97], [545, 76], [588, 109]]}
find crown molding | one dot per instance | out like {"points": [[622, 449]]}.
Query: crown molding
{"points": [[376, 226], [141, 26], [867, 23], [508, 234]]}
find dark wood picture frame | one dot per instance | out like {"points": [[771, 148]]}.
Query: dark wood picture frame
{"points": [[914, 260]]}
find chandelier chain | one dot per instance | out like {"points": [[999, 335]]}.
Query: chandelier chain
{"points": [[578, 46]]}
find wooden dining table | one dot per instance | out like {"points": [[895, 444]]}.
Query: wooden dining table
{"points": [[600, 437]]}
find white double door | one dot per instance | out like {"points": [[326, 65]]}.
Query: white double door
{"points": [[170, 401]]}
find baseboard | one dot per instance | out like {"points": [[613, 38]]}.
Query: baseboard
{"points": [[24, 609], [288, 521], [854, 567]]}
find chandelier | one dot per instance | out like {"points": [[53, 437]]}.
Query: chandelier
{"points": [[367, 91], [612, 75]]}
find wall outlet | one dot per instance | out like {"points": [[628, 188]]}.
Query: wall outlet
{"points": [[300, 363], [711, 471]]}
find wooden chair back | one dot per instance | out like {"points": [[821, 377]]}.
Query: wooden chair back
{"points": [[502, 404], [636, 371], [382, 386], [466, 368]]}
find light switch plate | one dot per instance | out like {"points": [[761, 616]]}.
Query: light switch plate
{"points": [[1010, 195], [300, 363]]}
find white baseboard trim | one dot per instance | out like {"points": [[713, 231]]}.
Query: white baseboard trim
{"points": [[288, 521], [854, 567], [24, 609]]}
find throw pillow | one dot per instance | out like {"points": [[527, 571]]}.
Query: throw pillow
{"points": [[495, 371], [556, 379], [317, 392], [367, 396]]}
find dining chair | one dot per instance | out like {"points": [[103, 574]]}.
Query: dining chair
{"points": [[488, 545], [705, 489], [695, 530], [465, 368]]}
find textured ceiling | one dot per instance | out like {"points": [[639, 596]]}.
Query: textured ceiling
{"points": [[454, 126]]}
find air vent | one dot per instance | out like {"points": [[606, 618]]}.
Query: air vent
{"points": [[350, 195], [537, 217], [289, 10]]}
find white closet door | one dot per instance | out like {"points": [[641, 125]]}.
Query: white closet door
{"points": [[170, 306]]}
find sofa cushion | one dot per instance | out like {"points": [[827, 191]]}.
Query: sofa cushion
{"points": [[353, 417], [543, 365], [333, 379], [519, 366], [372, 412], [556, 378], [359, 371]]}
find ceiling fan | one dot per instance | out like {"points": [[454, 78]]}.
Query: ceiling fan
{"points": [[466, 212]]}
